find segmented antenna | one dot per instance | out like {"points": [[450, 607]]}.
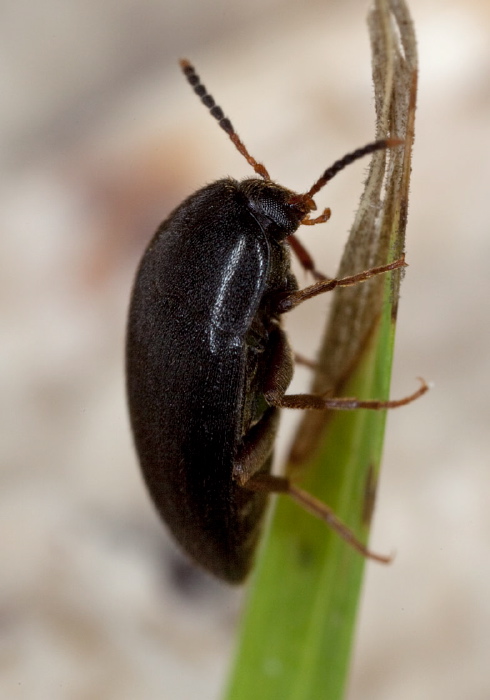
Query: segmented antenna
{"points": [[348, 159], [218, 114]]}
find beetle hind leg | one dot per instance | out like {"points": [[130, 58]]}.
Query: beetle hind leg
{"points": [[248, 473], [279, 484]]}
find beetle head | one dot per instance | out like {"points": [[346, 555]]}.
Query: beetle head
{"points": [[278, 210]]}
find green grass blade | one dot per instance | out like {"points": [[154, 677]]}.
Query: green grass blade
{"points": [[301, 617], [297, 631]]}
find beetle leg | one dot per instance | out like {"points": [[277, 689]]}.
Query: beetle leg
{"points": [[301, 360], [280, 484], [280, 362], [281, 366], [289, 300], [305, 258], [258, 443], [314, 402], [256, 447]]}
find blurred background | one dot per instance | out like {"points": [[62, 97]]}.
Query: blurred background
{"points": [[100, 138]]}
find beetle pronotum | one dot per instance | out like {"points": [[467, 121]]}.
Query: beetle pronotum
{"points": [[208, 364]]}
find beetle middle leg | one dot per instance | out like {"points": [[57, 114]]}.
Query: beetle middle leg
{"points": [[346, 403]]}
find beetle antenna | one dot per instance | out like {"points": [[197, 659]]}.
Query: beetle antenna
{"points": [[218, 114], [350, 158]]}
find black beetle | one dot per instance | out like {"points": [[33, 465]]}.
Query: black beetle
{"points": [[208, 364]]}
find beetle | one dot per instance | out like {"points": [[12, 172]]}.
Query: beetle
{"points": [[208, 363]]}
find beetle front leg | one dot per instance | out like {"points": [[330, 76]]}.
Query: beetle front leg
{"points": [[304, 257], [289, 300], [279, 484]]}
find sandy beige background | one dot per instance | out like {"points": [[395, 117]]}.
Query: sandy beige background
{"points": [[101, 137]]}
